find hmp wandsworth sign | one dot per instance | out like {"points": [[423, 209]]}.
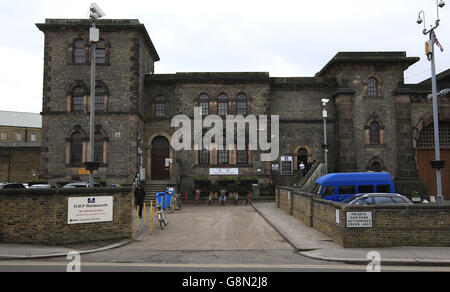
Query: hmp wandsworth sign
{"points": [[90, 210]]}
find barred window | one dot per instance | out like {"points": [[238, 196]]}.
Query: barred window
{"points": [[222, 157], [100, 93], [222, 109], [76, 148], [242, 157], [241, 105], [100, 52], [374, 133], [203, 102], [160, 106], [372, 88], [79, 52], [203, 157], [78, 99], [99, 140]]}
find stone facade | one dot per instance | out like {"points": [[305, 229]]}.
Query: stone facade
{"points": [[372, 113]]}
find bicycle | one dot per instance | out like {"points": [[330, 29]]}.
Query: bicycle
{"points": [[175, 203], [162, 218]]}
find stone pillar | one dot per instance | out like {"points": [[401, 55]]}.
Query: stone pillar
{"points": [[345, 138], [406, 178]]}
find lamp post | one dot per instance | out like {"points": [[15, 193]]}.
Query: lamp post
{"points": [[325, 144], [94, 36], [438, 164]]}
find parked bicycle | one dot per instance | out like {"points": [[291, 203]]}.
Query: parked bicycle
{"points": [[162, 218], [175, 203]]}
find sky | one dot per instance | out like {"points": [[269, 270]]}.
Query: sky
{"points": [[283, 37]]}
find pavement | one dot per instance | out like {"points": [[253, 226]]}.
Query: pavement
{"points": [[304, 239]]}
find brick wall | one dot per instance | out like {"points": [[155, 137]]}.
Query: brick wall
{"points": [[413, 225], [40, 216], [18, 163]]}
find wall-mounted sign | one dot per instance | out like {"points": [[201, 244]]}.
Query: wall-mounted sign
{"points": [[224, 171], [359, 219], [89, 210], [287, 166]]}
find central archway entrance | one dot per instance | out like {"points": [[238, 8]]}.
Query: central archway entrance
{"points": [[425, 154], [160, 152]]}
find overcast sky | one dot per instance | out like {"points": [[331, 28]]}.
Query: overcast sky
{"points": [[282, 37]]}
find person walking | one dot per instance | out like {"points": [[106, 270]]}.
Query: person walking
{"points": [[139, 195], [301, 166], [210, 199]]}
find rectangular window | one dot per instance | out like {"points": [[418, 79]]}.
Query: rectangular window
{"points": [[347, 190], [223, 156], [160, 109], [383, 189], [80, 55], [3, 136], [100, 103], [205, 108], [100, 55], [328, 191], [19, 137], [242, 157], [222, 109], [33, 137], [203, 157], [78, 103], [366, 189], [241, 108]]}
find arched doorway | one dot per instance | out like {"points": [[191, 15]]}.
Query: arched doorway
{"points": [[160, 152], [425, 154]]}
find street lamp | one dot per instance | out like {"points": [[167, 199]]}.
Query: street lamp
{"points": [[325, 145], [438, 164], [94, 37]]}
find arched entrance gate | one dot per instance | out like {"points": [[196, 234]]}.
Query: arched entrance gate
{"points": [[425, 153]]}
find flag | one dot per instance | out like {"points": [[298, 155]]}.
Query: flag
{"points": [[437, 42]]}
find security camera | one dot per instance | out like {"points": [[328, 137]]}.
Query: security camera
{"points": [[325, 101], [441, 3], [96, 12]]}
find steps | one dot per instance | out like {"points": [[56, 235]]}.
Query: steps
{"points": [[152, 188]]}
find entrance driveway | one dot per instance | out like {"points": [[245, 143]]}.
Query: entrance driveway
{"points": [[212, 228]]}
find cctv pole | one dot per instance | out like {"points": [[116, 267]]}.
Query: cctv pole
{"points": [[437, 149], [437, 164], [92, 107], [325, 145]]}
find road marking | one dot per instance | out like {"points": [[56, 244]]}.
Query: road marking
{"points": [[232, 266]]}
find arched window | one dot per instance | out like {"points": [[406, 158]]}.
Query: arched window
{"points": [[372, 87], [78, 99], [79, 52], [241, 104], [203, 102], [100, 52], [160, 106], [376, 167], [76, 148], [222, 105], [374, 133], [100, 93], [99, 141]]}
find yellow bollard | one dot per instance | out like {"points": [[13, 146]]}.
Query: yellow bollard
{"points": [[151, 216], [137, 218], [145, 219]]}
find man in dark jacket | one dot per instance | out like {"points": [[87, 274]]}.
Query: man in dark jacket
{"points": [[139, 195]]}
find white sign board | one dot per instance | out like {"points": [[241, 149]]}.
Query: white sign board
{"points": [[90, 210], [359, 219], [224, 171]]}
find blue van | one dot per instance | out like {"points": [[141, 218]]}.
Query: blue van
{"points": [[339, 186]]}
